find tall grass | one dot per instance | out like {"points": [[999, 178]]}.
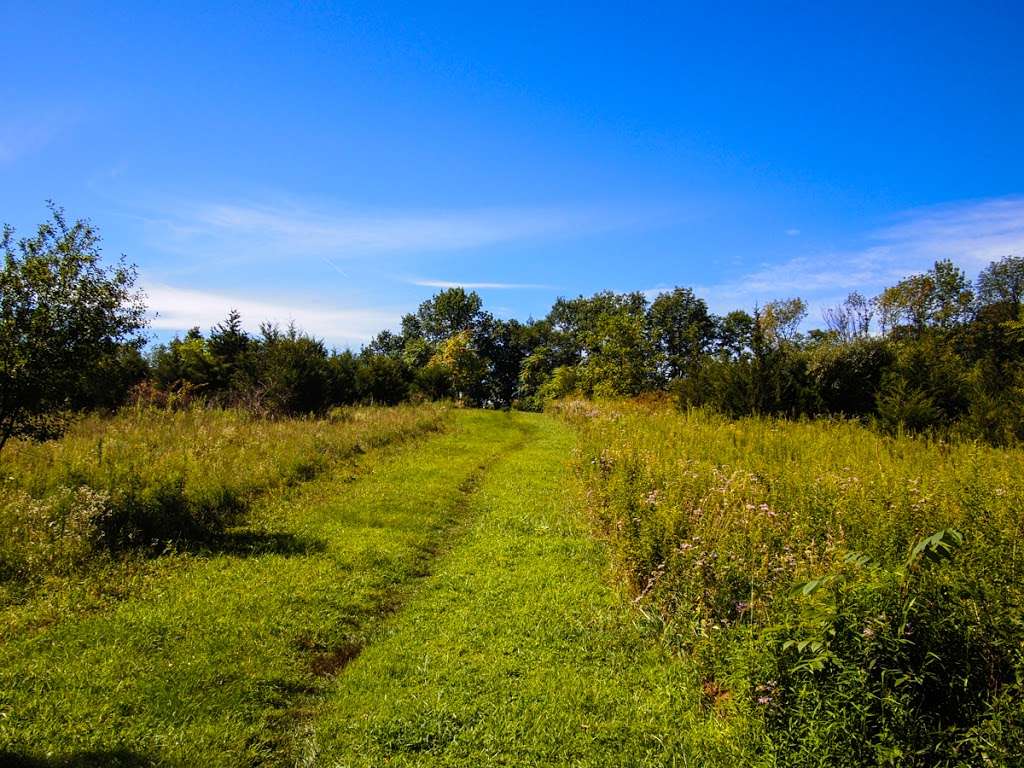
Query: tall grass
{"points": [[793, 562], [146, 477]]}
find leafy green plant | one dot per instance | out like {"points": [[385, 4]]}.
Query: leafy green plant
{"points": [[821, 615], [64, 316]]}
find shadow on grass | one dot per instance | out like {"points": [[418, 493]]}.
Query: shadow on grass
{"points": [[248, 543], [235, 543], [115, 758]]}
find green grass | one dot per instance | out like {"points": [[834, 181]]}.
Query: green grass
{"points": [[609, 588], [886, 655], [442, 605], [149, 478], [518, 651], [215, 657]]}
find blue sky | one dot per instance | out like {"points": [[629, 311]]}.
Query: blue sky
{"points": [[336, 163]]}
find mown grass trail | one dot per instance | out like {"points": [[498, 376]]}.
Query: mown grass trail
{"points": [[518, 652], [447, 606], [216, 662]]}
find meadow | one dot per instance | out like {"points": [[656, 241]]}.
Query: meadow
{"points": [[152, 478], [611, 583], [854, 597]]}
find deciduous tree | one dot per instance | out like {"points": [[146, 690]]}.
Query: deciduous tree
{"points": [[62, 314]]}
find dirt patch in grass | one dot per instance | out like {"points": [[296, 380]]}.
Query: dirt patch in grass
{"points": [[330, 662]]}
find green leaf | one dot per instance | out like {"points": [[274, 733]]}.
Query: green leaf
{"points": [[859, 559], [809, 587], [940, 546]]}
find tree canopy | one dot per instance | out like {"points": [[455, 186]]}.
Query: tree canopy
{"points": [[63, 317], [933, 351]]}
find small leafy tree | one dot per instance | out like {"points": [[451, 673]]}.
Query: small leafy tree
{"points": [[62, 313], [534, 371], [386, 343], [1000, 287], [621, 358], [939, 298], [780, 320], [464, 367], [682, 330], [735, 333], [445, 314], [187, 361]]}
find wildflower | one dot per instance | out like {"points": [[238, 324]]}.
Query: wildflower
{"points": [[765, 691]]}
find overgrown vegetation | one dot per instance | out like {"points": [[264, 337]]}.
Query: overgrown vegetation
{"points": [[150, 478], [900, 643], [843, 590], [932, 354]]}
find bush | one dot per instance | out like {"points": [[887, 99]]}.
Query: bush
{"points": [[894, 654], [904, 407], [847, 377], [382, 380], [295, 374]]}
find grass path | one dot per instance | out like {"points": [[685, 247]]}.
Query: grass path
{"points": [[517, 652], [445, 607], [213, 662]]}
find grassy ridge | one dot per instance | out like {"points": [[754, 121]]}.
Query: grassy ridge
{"points": [[148, 477], [890, 653], [216, 658]]}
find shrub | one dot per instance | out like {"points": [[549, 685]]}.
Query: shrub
{"points": [[902, 406], [382, 380], [848, 376]]}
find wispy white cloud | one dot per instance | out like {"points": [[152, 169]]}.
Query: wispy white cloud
{"points": [[971, 233], [471, 285], [792, 231], [177, 309], [242, 231]]}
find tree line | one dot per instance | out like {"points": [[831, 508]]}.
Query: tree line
{"points": [[934, 353]]}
